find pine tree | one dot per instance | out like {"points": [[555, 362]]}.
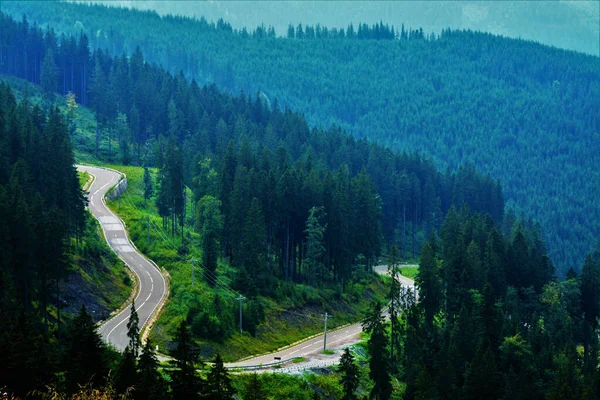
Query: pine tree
{"points": [[252, 248], [26, 362], [379, 363], [239, 205], [366, 221], [589, 287], [566, 381], [425, 386], [482, 380], [571, 274], [133, 331], [84, 359], [209, 222], [429, 284], [163, 203], [489, 334], [49, 76], [254, 390], [126, 377], [218, 383], [148, 186], [315, 250], [185, 382], [394, 297], [176, 187], [520, 374], [97, 90], [349, 378], [136, 131], [453, 250], [151, 385], [72, 107], [226, 182]]}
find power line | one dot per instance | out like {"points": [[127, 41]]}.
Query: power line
{"points": [[216, 280]]}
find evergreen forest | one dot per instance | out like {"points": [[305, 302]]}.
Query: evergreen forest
{"points": [[564, 24], [509, 107], [287, 168]]}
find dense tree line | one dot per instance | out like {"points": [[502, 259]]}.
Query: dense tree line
{"points": [[231, 150], [491, 322], [41, 218], [377, 31], [562, 25], [41, 205], [507, 106], [84, 367], [41, 221]]}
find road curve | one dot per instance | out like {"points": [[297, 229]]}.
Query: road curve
{"points": [[152, 285], [312, 349]]}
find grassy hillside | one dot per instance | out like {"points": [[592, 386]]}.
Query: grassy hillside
{"points": [[284, 320], [523, 112]]}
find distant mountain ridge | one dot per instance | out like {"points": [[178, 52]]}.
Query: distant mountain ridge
{"points": [[573, 25]]}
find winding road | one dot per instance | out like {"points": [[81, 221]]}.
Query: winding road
{"points": [[312, 350], [152, 285], [152, 291]]}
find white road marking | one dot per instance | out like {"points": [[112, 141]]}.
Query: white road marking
{"points": [[306, 347], [112, 227], [140, 264]]}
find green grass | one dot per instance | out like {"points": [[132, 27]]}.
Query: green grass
{"points": [[409, 272], [298, 360], [329, 384], [277, 386], [328, 352], [294, 316], [83, 178]]}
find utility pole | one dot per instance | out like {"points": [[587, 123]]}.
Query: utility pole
{"points": [[240, 299], [325, 335], [193, 261]]}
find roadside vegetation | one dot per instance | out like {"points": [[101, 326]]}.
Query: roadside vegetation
{"points": [[268, 325], [409, 272]]}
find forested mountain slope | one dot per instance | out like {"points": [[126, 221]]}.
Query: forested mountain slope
{"points": [[52, 258], [165, 121], [280, 212], [515, 109], [571, 25]]}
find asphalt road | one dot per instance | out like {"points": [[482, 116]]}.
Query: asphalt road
{"points": [[312, 350], [152, 284]]}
